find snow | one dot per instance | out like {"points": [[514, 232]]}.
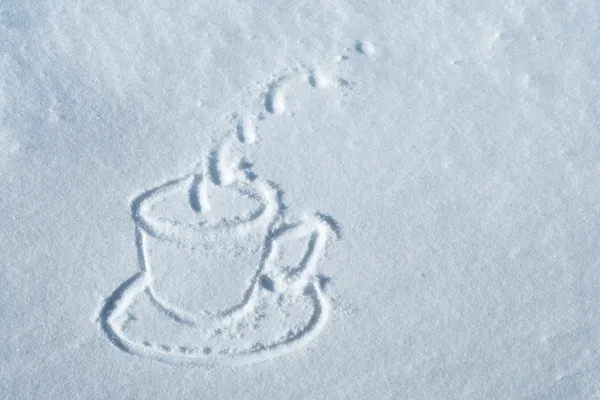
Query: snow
{"points": [[410, 190]]}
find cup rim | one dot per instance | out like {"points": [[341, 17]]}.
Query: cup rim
{"points": [[169, 229]]}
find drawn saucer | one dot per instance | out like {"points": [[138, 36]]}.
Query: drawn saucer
{"points": [[267, 325]]}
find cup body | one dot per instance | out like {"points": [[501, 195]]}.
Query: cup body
{"points": [[198, 269], [210, 276]]}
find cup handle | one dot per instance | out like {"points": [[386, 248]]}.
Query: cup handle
{"points": [[289, 269]]}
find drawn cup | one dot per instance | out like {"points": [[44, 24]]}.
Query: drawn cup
{"points": [[203, 268]]}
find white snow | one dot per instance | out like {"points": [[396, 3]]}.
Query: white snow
{"points": [[365, 47], [424, 182]]}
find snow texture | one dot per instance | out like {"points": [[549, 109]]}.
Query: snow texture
{"points": [[299, 199]]}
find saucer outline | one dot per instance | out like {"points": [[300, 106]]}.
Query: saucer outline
{"points": [[120, 300]]}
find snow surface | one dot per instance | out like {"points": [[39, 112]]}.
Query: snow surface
{"points": [[442, 158]]}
